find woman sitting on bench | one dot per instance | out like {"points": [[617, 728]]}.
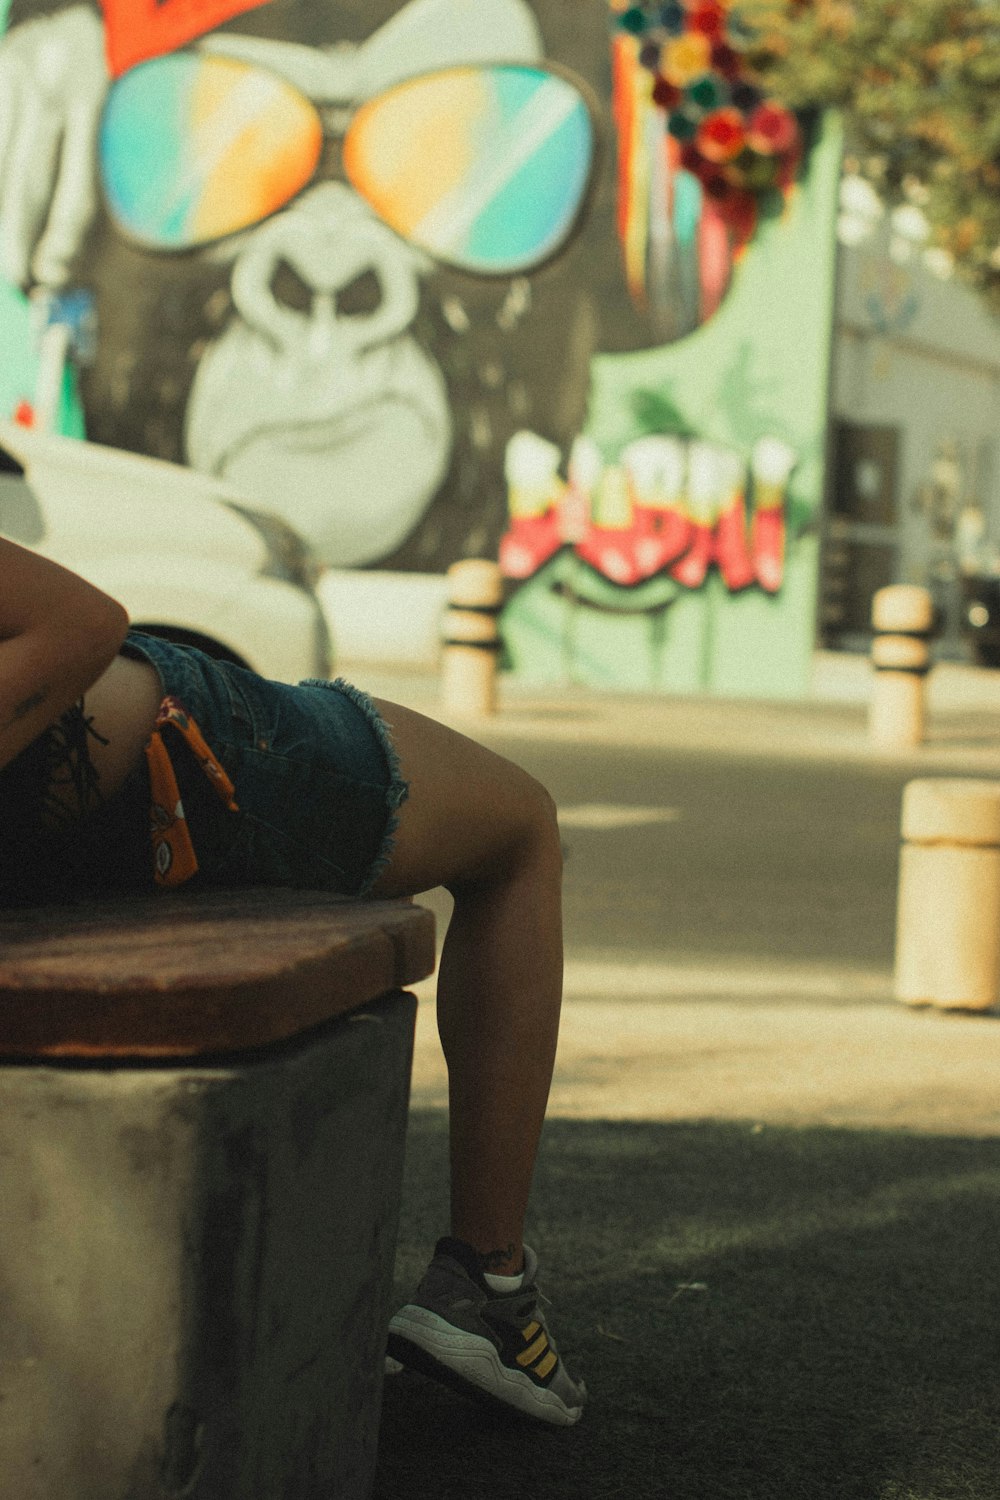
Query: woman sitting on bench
{"points": [[128, 763]]}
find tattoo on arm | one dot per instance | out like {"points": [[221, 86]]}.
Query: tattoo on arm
{"points": [[25, 707]]}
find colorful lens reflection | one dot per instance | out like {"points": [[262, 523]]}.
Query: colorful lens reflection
{"points": [[193, 148], [484, 167]]}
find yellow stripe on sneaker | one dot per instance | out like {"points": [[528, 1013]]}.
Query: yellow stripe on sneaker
{"points": [[529, 1333], [529, 1355], [545, 1365]]}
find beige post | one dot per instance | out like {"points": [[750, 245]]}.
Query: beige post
{"points": [[948, 915], [903, 617], [471, 639]]}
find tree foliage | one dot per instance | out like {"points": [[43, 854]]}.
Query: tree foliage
{"points": [[918, 82]]}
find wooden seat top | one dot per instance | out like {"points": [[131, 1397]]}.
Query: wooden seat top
{"points": [[176, 975]]}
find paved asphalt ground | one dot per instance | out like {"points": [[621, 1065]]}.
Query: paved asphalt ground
{"points": [[767, 1194], [730, 904]]}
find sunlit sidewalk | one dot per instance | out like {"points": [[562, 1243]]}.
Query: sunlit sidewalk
{"points": [[784, 1045], [963, 718]]}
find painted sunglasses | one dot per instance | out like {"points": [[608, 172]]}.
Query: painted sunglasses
{"points": [[485, 167]]}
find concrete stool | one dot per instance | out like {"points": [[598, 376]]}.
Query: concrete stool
{"points": [[948, 915], [202, 1115]]}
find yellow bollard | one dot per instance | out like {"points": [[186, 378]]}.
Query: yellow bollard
{"points": [[903, 619], [948, 913], [471, 652]]}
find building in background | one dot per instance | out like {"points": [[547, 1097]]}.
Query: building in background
{"points": [[913, 482]]}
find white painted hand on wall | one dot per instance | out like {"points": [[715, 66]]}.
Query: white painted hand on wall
{"points": [[53, 80]]}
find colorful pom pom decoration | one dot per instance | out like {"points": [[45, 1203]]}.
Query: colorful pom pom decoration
{"points": [[685, 58], [696, 48], [721, 135], [678, 71]]}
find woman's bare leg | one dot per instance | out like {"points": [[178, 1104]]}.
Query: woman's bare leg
{"points": [[485, 830]]}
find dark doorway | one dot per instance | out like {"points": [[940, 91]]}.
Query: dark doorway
{"points": [[861, 542]]}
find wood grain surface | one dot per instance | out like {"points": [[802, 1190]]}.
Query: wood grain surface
{"points": [[183, 974]]}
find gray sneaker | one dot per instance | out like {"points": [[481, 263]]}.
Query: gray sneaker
{"points": [[489, 1345]]}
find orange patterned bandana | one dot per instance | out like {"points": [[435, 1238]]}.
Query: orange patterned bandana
{"points": [[174, 859]]}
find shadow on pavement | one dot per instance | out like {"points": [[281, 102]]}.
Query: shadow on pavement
{"points": [[759, 1314]]}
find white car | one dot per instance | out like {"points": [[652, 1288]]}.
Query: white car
{"points": [[181, 551]]}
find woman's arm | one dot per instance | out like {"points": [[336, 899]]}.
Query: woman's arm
{"points": [[57, 635]]}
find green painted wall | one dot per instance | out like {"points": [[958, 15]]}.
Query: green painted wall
{"points": [[759, 367], [19, 365]]}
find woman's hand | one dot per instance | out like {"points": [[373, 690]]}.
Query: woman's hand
{"points": [[57, 635]]}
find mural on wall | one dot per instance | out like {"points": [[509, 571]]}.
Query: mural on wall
{"points": [[667, 505], [280, 298], [674, 544], [698, 147], [445, 278]]}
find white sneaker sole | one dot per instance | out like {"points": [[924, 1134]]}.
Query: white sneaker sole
{"points": [[424, 1341]]}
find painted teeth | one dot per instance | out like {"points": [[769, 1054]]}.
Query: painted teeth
{"points": [[585, 464], [703, 467], [643, 463], [730, 471], [662, 470], [772, 460], [674, 461], [656, 468], [530, 462]]}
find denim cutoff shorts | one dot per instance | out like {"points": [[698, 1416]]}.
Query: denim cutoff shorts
{"points": [[315, 773]]}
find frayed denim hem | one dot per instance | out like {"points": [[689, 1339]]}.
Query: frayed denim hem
{"points": [[396, 792]]}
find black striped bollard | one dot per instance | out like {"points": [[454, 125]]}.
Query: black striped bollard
{"points": [[903, 619], [471, 642]]}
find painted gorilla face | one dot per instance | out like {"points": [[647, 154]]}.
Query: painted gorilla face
{"points": [[326, 366], [318, 390]]}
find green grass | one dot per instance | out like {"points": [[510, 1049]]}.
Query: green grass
{"points": [[845, 1347]]}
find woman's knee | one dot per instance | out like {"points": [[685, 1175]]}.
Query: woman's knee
{"points": [[524, 831], [545, 820], [472, 815]]}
